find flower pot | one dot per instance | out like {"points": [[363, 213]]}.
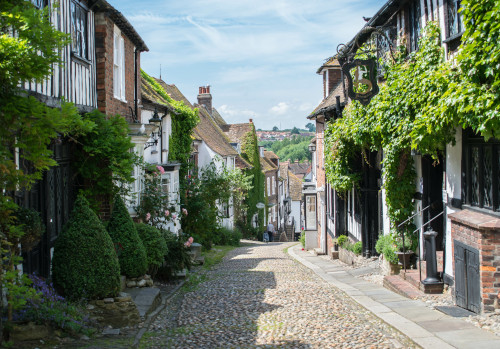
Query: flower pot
{"points": [[405, 258]]}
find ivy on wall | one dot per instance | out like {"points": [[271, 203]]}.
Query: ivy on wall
{"points": [[423, 101], [250, 152], [184, 120]]}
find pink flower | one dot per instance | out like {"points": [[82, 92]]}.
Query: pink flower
{"points": [[189, 242], [174, 216], [161, 169], [148, 216], [184, 212], [167, 213]]}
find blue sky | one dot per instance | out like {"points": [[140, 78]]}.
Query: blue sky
{"points": [[259, 56]]}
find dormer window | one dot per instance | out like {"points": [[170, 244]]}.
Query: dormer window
{"points": [[79, 30], [455, 25]]}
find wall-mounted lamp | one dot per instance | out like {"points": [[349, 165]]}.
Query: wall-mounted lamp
{"points": [[312, 148], [155, 120]]}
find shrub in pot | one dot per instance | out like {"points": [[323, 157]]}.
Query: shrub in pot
{"points": [[130, 249], [84, 264]]}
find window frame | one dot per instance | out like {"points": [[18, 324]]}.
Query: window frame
{"points": [[80, 51], [119, 91], [414, 25], [471, 140], [453, 6]]}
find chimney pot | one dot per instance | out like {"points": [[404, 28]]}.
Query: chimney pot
{"points": [[201, 90], [251, 121], [208, 89]]}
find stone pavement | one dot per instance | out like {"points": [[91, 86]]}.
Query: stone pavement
{"points": [[427, 327], [259, 297]]}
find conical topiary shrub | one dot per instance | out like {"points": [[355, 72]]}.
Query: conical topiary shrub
{"points": [[156, 247], [84, 264], [130, 249]]}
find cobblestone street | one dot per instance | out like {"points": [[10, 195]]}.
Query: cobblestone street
{"points": [[259, 297]]}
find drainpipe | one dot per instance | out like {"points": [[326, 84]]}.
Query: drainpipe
{"points": [[136, 109]]}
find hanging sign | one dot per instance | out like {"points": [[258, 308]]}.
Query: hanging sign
{"points": [[362, 79]]}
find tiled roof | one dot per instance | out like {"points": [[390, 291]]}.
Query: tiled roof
{"points": [[206, 130], [267, 165], [270, 154], [330, 102], [242, 163], [295, 187], [330, 62], [236, 132], [120, 21], [299, 169], [218, 118]]}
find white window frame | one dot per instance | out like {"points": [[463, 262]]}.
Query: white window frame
{"points": [[118, 65], [273, 186], [268, 187]]}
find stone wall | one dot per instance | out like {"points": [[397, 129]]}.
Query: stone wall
{"points": [[481, 232], [118, 312]]}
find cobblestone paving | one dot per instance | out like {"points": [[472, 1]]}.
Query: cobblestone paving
{"points": [[259, 297]]}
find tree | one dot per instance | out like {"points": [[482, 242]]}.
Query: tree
{"points": [[295, 130], [275, 128], [311, 127], [27, 126]]}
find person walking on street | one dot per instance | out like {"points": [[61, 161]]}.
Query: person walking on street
{"points": [[270, 231]]}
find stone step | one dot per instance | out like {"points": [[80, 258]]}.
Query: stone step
{"points": [[147, 299], [318, 252], [396, 284]]}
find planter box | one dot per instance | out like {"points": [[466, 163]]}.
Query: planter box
{"points": [[349, 257], [389, 268]]}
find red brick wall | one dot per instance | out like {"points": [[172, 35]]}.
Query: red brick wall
{"points": [[106, 101], [334, 77], [486, 239]]}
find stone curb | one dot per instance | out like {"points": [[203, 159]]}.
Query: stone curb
{"points": [[152, 316], [416, 333]]}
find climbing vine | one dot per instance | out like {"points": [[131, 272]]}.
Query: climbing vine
{"points": [[423, 101], [184, 120], [250, 152]]}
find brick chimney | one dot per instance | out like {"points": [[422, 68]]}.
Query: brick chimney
{"points": [[205, 98]]}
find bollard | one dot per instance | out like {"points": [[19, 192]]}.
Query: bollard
{"points": [[430, 258]]}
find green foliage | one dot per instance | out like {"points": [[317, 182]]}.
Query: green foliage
{"points": [[250, 152], [32, 226], [130, 249], [104, 159], [184, 120], [177, 257], [295, 131], [227, 237], [296, 148], [385, 245], [155, 245], [342, 240], [154, 206], [310, 127], [84, 264], [421, 103], [302, 239], [205, 192], [357, 248]]}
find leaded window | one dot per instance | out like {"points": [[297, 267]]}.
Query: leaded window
{"points": [[455, 25], [414, 24], [79, 30], [481, 172]]}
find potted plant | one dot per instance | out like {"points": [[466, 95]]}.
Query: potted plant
{"points": [[385, 246], [404, 248]]}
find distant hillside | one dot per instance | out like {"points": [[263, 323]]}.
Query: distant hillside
{"points": [[290, 149]]}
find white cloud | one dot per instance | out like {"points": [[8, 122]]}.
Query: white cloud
{"points": [[280, 109], [234, 114]]}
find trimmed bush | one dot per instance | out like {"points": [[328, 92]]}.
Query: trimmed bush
{"points": [[227, 237], [385, 245], [156, 247], [84, 264], [341, 240], [129, 247], [357, 248], [177, 257]]}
